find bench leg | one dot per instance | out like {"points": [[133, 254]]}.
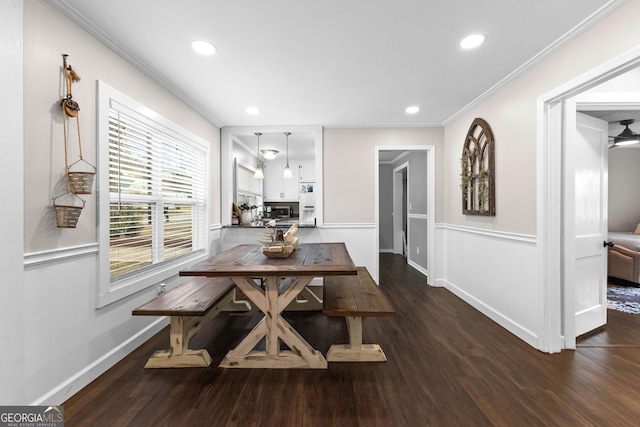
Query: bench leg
{"points": [[236, 304], [306, 301], [181, 330], [179, 356], [355, 351]]}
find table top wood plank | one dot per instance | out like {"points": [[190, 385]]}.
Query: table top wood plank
{"points": [[312, 259]]}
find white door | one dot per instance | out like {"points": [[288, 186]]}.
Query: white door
{"points": [[585, 224], [398, 211]]}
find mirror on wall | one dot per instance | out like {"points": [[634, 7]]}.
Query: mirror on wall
{"points": [[301, 150]]}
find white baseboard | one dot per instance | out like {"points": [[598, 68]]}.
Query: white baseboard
{"points": [[386, 251], [518, 330], [71, 386], [439, 283], [418, 267]]}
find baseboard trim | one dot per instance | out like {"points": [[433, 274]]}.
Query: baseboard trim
{"points": [[418, 267], [515, 328], [74, 384], [439, 283]]}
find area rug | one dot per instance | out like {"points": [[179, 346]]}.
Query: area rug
{"points": [[626, 299]]}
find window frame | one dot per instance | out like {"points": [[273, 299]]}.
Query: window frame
{"points": [[111, 291]]}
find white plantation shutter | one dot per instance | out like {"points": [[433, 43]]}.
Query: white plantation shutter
{"points": [[157, 185]]}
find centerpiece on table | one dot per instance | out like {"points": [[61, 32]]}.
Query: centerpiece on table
{"points": [[278, 244]]}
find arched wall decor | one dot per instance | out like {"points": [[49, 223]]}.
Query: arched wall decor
{"points": [[477, 176]]}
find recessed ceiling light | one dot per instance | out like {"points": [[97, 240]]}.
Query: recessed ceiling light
{"points": [[472, 41], [412, 110], [252, 110], [203, 47]]}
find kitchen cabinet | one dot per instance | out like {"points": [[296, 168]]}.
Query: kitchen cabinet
{"points": [[246, 184], [307, 170], [244, 177], [278, 188]]}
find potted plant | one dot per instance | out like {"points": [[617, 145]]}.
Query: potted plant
{"points": [[246, 213]]}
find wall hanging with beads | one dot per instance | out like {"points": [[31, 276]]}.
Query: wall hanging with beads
{"points": [[477, 175], [80, 174]]}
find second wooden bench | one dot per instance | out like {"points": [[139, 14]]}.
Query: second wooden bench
{"points": [[190, 305], [355, 297]]}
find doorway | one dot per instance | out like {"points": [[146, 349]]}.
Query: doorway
{"points": [[552, 162], [408, 207]]}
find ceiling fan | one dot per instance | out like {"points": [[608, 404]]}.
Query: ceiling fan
{"points": [[626, 137]]}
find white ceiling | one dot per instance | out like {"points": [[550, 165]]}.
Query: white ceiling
{"points": [[331, 62], [301, 144], [613, 117]]}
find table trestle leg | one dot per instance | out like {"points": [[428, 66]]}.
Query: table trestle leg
{"points": [[274, 328]]}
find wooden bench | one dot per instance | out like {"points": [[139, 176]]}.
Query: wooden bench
{"points": [[190, 305], [355, 297]]}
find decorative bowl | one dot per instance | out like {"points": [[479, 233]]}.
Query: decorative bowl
{"points": [[279, 249]]}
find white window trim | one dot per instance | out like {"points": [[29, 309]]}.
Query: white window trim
{"points": [[109, 292]]}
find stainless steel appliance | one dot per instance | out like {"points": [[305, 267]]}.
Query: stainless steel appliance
{"points": [[281, 211]]}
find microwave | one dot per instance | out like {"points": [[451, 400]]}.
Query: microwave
{"points": [[281, 211]]}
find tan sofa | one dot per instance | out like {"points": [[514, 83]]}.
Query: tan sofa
{"points": [[624, 264]]}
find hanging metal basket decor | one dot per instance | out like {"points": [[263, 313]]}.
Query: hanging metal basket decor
{"points": [[67, 210], [80, 175], [477, 170], [81, 182]]}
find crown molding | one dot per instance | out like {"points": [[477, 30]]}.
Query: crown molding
{"points": [[84, 23], [589, 22]]}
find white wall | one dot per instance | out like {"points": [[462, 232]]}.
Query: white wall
{"points": [[47, 36], [511, 112], [12, 302], [59, 340], [624, 189], [349, 163]]}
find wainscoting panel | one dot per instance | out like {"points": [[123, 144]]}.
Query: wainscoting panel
{"points": [[70, 342], [495, 272]]}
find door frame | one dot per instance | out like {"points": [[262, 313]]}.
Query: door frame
{"points": [[398, 247], [550, 161], [432, 271]]}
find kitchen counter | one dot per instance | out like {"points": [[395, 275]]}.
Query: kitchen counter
{"points": [[233, 235], [280, 223]]}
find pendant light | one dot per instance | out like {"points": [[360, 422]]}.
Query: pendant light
{"points": [[258, 173], [287, 170]]}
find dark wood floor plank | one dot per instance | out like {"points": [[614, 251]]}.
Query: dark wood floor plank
{"points": [[447, 365]]}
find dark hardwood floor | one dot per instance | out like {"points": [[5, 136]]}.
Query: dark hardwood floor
{"points": [[448, 366]]}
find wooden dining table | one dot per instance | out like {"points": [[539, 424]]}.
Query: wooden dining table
{"points": [[284, 279]]}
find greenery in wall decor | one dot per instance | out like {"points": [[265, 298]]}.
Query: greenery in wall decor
{"points": [[477, 170]]}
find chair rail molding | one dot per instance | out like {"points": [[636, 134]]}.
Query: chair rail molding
{"points": [[59, 254]]}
